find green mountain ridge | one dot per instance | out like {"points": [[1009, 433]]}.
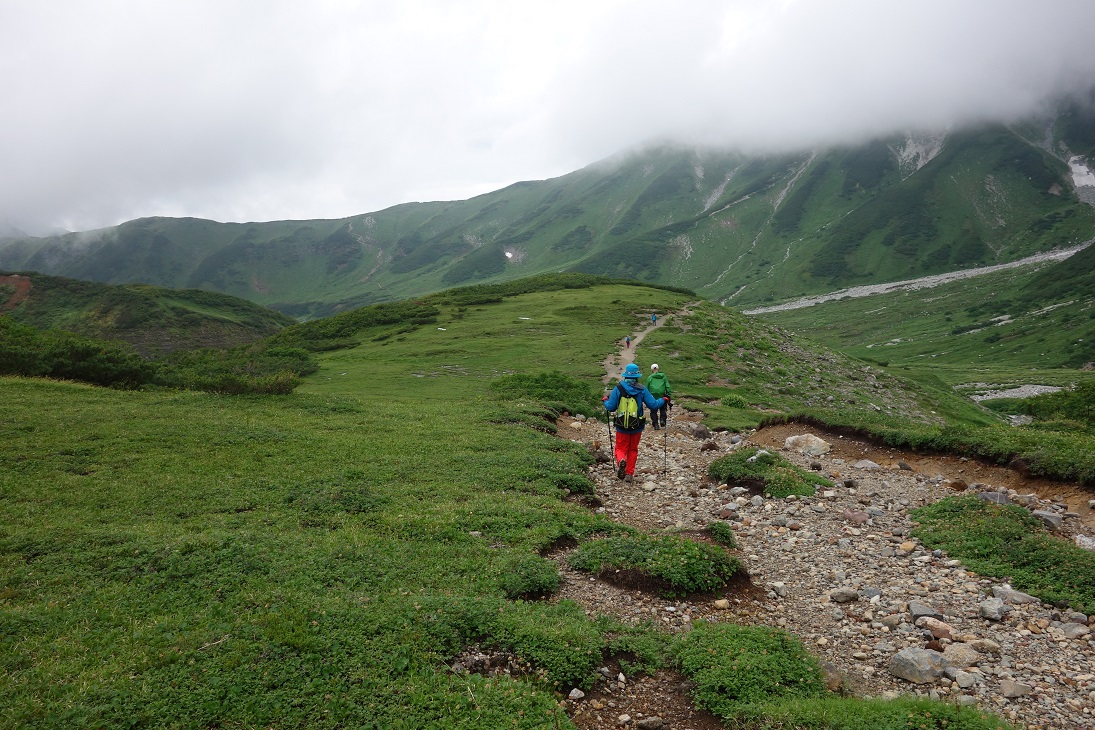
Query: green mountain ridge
{"points": [[155, 320], [743, 230]]}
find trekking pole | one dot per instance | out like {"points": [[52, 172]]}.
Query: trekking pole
{"points": [[665, 443], [611, 447]]}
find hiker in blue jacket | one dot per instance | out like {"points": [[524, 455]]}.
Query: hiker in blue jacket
{"points": [[629, 426]]}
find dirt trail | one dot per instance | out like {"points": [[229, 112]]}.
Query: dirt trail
{"points": [[677, 496], [615, 363]]}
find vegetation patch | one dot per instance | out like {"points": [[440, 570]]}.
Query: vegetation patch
{"points": [[764, 679], [1006, 542], [761, 470], [669, 564], [572, 394]]}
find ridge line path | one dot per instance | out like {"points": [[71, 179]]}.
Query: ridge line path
{"points": [[615, 363], [1035, 667]]}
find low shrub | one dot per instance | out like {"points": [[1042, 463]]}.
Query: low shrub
{"points": [[528, 576], [840, 713], [762, 470], [574, 395], [722, 534], [1006, 542], [735, 665], [734, 400], [670, 563]]}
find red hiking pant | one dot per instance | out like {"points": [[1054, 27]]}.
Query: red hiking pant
{"points": [[627, 447]]}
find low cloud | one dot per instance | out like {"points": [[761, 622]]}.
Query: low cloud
{"points": [[237, 111]]}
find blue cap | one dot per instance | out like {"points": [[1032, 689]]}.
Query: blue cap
{"points": [[632, 371]]}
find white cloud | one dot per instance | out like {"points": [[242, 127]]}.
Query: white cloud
{"points": [[236, 110]]}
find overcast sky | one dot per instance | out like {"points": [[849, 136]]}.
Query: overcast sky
{"points": [[242, 110]]}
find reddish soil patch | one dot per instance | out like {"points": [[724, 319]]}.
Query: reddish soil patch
{"points": [[22, 287]]}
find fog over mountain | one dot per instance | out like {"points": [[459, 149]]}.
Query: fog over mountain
{"points": [[236, 111]]}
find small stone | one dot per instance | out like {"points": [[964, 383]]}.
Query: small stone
{"points": [[939, 629], [1075, 631], [866, 464], [1011, 689], [961, 655], [994, 609], [807, 444], [844, 594], [1051, 520], [722, 604], [576, 694], [907, 546], [919, 610], [994, 497], [1009, 595], [650, 723]]}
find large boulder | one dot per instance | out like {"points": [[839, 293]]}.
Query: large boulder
{"points": [[808, 444], [917, 665]]}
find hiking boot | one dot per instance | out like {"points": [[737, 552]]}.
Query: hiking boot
{"points": [[655, 427], [621, 469], [630, 478]]}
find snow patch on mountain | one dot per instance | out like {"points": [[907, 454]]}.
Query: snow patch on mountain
{"points": [[917, 151], [1082, 175]]}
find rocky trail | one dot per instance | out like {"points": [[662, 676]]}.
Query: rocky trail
{"points": [[841, 572]]}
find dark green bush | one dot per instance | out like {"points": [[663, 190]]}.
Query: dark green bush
{"points": [[527, 576], [723, 534], [56, 354], [576, 396], [762, 469], [674, 565], [1006, 542], [739, 665]]}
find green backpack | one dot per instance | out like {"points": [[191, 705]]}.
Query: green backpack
{"points": [[628, 412]]}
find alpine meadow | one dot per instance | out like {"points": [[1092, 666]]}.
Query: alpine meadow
{"points": [[358, 472]]}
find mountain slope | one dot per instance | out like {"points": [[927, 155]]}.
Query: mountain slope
{"points": [[154, 320], [743, 230]]}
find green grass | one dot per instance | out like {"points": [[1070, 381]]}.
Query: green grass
{"points": [[763, 678], [186, 559], [1006, 542]]}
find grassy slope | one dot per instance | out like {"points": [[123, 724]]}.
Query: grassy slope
{"points": [[153, 319], [1011, 320], [182, 559]]}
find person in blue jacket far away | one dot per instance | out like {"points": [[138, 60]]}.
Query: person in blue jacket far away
{"points": [[628, 432]]}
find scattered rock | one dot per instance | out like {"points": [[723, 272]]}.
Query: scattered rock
{"points": [[1009, 595], [807, 444], [917, 665], [844, 594], [1052, 520], [1012, 689], [994, 609], [961, 655], [866, 464]]}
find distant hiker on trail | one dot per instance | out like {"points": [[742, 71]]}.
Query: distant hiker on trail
{"points": [[627, 341], [627, 400], [659, 387], [654, 318]]}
